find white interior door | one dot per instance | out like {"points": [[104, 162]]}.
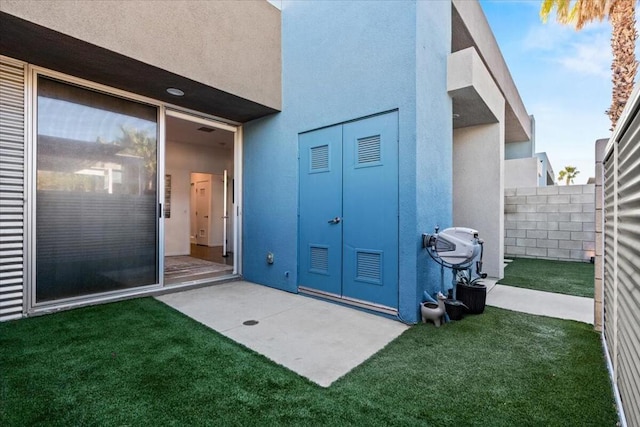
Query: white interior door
{"points": [[225, 214], [203, 211], [217, 211], [193, 220]]}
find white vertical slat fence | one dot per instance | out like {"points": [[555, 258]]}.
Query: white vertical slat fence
{"points": [[12, 188], [621, 302]]}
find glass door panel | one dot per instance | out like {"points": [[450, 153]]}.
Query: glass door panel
{"points": [[96, 192]]}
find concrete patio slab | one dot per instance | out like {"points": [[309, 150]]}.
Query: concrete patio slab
{"points": [[542, 303], [489, 282], [318, 340]]}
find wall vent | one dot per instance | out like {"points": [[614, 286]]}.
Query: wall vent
{"points": [[319, 259], [369, 150], [320, 158], [369, 266]]}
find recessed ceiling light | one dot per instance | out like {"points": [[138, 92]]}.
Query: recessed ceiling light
{"points": [[175, 91]]}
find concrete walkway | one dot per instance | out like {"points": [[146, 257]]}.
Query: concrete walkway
{"points": [[541, 303], [323, 341], [318, 340]]}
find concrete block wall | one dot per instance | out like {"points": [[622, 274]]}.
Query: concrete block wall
{"points": [[601, 145], [554, 222]]}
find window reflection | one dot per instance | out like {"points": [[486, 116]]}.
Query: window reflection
{"points": [[96, 208], [88, 141]]}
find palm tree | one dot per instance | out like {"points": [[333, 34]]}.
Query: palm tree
{"points": [[568, 174], [622, 15], [139, 143]]}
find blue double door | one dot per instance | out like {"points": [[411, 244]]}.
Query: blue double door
{"points": [[348, 225]]}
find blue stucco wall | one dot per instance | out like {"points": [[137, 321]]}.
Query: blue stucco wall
{"points": [[343, 61], [434, 145]]}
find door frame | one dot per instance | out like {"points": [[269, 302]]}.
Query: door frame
{"points": [[237, 174], [208, 201], [341, 298], [223, 206], [163, 109]]}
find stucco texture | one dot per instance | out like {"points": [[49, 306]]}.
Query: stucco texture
{"points": [[233, 46], [343, 61], [521, 172]]}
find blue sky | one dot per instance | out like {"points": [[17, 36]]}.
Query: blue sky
{"points": [[563, 76]]}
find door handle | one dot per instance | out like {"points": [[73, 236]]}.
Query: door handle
{"points": [[335, 220]]}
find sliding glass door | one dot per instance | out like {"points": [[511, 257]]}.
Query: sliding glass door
{"points": [[97, 227]]}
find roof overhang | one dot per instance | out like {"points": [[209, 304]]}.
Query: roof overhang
{"points": [[38, 45], [470, 29], [476, 98]]}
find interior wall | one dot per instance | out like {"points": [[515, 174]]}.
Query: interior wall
{"points": [[478, 188], [181, 160]]}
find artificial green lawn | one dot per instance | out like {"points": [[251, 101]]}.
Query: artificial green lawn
{"points": [[562, 277], [139, 362]]}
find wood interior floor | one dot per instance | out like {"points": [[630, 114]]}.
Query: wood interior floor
{"points": [[213, 254]]}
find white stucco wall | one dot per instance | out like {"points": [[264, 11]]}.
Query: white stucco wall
{"points": [[521, 172], [478, 188], [465, 70], [478, 159], [517, 120]]}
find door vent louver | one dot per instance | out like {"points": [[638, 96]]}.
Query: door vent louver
{"points": [[369, 150], [368, 266], [320, 259], [320, 158]]}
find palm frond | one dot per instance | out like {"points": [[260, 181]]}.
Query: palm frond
{"points": [[578, 12]]}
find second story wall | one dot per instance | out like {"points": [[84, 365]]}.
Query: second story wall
{"points": [[233, 46]]}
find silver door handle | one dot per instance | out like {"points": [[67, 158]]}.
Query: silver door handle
{"points": [[335, 220]]}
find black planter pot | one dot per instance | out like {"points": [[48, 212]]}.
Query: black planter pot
{"points": [[473, 296], [455, 308]]}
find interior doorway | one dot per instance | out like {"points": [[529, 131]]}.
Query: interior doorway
{"points": [[200, 232], [210, 201], [202, 219]]}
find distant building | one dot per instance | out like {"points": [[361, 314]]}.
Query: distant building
{"points": [[523, 167]]}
